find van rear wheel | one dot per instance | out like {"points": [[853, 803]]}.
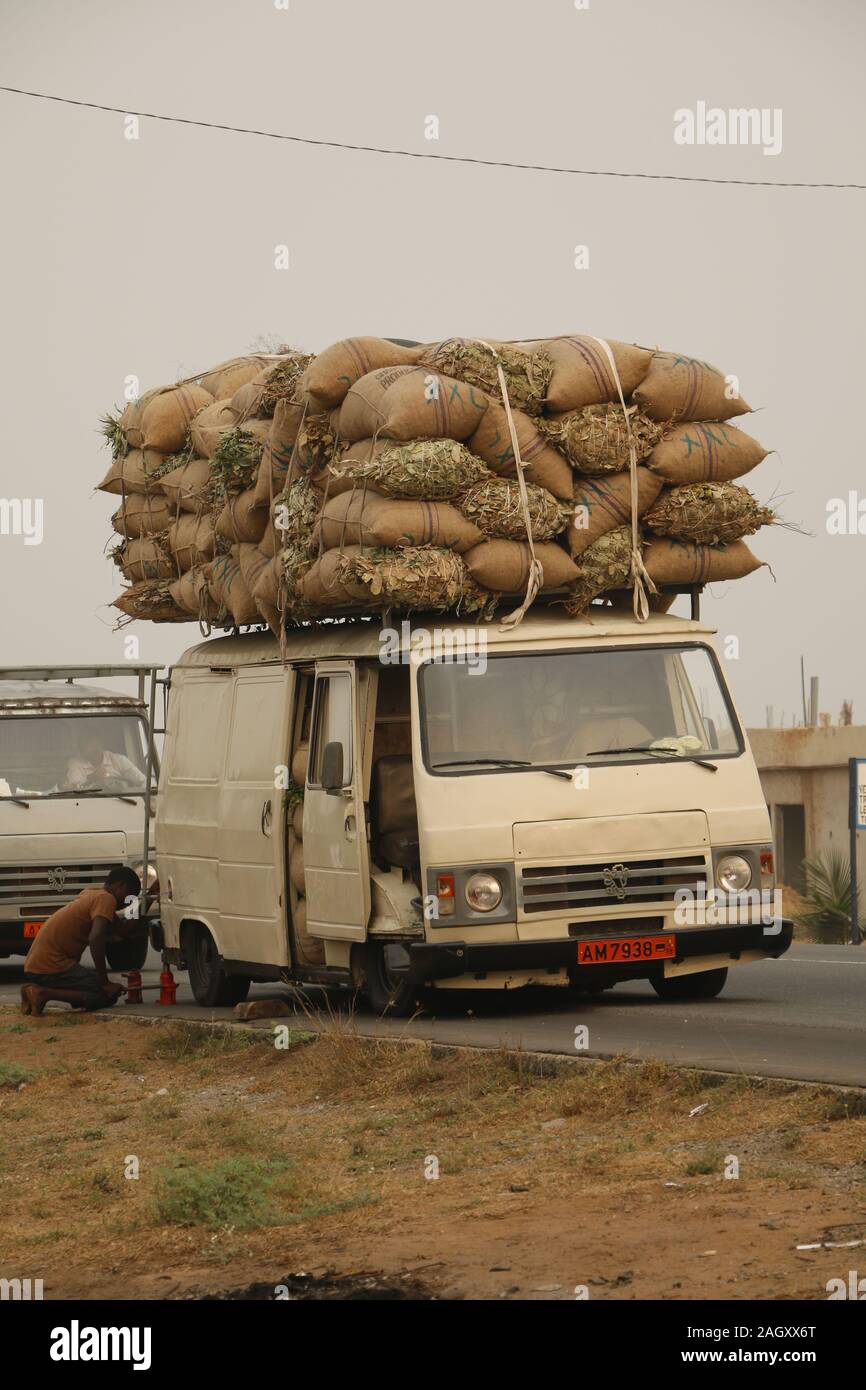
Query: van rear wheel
{"points": [[706, 984], [211, 984], [387, 985]]}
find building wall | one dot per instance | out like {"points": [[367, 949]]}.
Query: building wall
{"points": [[809, 768]]}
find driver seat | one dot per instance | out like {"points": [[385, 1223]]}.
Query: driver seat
{"points": [[396, 813]]}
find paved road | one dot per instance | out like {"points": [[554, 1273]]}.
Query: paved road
{"points": [[803, 1016]]}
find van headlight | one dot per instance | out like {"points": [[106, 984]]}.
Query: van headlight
{"points": [[151, 873], [483, 892], [733, 873]]}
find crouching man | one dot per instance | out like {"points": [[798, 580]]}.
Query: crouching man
{"points": [[53, 968]]}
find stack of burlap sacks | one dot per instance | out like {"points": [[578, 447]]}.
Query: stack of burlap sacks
{"points": [[377, 476]]}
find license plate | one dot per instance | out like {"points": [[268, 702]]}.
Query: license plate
{"points": [[625, 948], [32, 928]]}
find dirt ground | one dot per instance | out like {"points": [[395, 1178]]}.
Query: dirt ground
{"points": [[258, 1163]]}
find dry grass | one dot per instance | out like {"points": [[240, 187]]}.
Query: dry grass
{"points": [[245, 1147]]}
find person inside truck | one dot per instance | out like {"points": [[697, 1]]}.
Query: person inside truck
{"points": [[53, 969], [97, 767]]}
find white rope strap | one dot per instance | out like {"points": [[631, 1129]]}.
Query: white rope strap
{"points": [[640, 580], [535, 579]]}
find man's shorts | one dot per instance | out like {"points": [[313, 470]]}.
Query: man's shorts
{"points": [[80, 977]]}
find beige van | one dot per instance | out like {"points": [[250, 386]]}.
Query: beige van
{"points": [[449, 806]]}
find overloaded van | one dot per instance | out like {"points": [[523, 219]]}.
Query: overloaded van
{"points": [[74, 796], [438, 805]]}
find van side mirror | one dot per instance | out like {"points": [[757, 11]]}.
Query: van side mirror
{"points": [[332, 767]]}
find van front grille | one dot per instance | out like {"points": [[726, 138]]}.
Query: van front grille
{"points": [[42, 888], [639, 882]]}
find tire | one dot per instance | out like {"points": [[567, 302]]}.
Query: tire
{"points": [[704, 985], [129, 954], [388, 989], [211, 985]]}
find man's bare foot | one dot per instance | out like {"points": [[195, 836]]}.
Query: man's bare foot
{"points": [[37, 999], [26, 1006]]}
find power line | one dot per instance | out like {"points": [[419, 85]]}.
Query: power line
{"points": [[422, 154]]}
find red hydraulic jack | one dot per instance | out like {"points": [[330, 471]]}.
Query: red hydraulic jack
{"points": [[167, 987]]}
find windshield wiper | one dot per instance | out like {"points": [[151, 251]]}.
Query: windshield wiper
{"points": [[654, 753], [19, 801], [506, 762], [484, 762]]}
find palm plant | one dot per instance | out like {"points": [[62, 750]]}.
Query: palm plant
{"points": [[828, 894]]}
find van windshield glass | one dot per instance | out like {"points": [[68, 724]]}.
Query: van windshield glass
{"points": [[568, 708], [56, 755]]}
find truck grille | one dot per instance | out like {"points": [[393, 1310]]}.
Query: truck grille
{"points": [[640, 882], [42, 888]]}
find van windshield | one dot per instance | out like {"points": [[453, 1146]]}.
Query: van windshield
{"points": [[635, 704], [56, 755]]}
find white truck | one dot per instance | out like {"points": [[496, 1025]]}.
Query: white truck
{"points": [[75, 795], [440, 805]]}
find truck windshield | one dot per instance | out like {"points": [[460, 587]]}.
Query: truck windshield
{"points": [[626, 704], [54, 755]]}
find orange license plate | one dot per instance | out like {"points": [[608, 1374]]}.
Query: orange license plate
{"points": [[617, 949], [32, 928]]}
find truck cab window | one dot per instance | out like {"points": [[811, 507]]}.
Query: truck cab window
{"points": [[332, 723]]}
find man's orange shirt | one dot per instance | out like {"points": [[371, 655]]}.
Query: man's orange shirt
{"points": [[63, 939]]}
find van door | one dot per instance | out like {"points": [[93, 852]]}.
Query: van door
{"points": [[336, 856], [249, 840]]}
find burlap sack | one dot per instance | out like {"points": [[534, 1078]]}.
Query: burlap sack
{"points": [[437, 470], [167, 416], [682, 388], [331, 374], [476, 361], [359, 519], [491, 442], [410, 403], [296, 867], [300, 761], [603, 504], [324, 587], [151, 601], [708, 513], [504, 565], [311, 948], [136, 471], [598, 438], [210, 425], [188, 488], [707, 451], [190, 592], [681, 562], [223, 381], [582, 374], [130, 420], [143, 515], [258, 572], [279, 448], [243, 518], [298, 821], [191, 541], [146, 559], [227, 587]]}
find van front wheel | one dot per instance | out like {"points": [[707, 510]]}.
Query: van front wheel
{"points": [[388, 988], [211, 984], [706, 984]]}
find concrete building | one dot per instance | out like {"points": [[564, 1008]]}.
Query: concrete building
{"points": [[804, 774]]}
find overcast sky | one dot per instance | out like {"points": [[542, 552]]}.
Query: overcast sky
{"points": [[155, 257]]}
